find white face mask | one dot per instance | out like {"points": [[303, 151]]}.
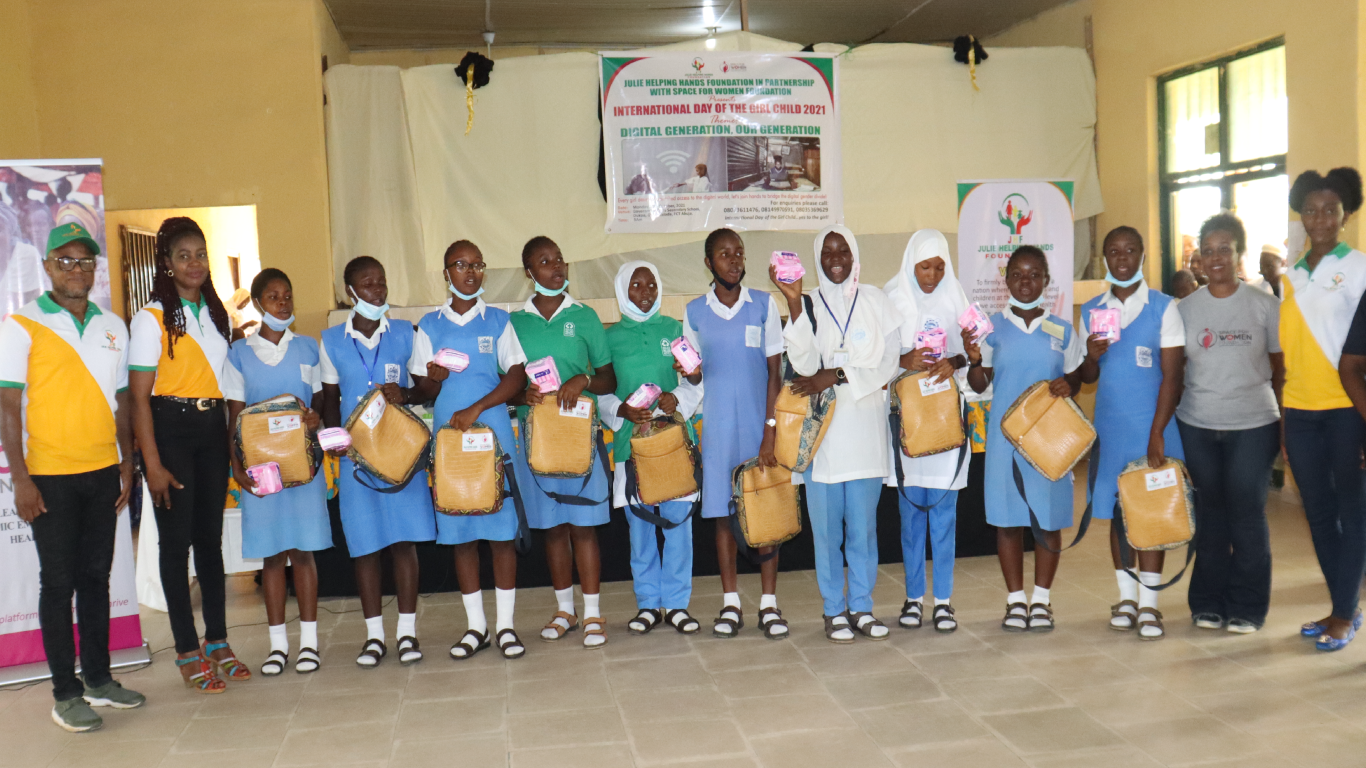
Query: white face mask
{"points": [[367, 310], [276, 324], [467, 297]]}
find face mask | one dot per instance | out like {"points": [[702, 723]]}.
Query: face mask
{"points": [[367, 310], [1022, 305], [544, 291], [276, 324], [1112, 280], [726, 283], [632, 311], [456, 291]]}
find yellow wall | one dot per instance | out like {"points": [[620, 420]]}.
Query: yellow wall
{"points": [[198, 103], [1064, 25], [19, 118]]}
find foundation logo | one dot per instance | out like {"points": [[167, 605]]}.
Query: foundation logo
{"points": [[726, 66], [568, 329], [1205, 339], [1015, 213], [697, 65], [1208, 339], [113, 341]]}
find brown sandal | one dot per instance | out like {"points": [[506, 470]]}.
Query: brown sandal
{"points": [[769, 626], [594, 627], [1155, 621], [569, 618], [1117, 610], [831, 628], [867, 628], [206, 680]]}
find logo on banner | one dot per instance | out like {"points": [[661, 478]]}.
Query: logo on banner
{"points": [[726, 66], [698, 64], [1015, 214]]}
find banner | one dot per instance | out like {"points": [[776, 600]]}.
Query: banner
{"points": [[35, 196], [995, 218], [695, 142]]}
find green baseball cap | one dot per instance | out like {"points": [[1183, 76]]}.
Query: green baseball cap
{"points": [[71, 232]]}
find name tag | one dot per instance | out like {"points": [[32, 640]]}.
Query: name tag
{"points": [[583, 409], [479, 442], [1165, 478], [284, 423], [1052, 329], [391, 373], [1055, 344], [839, 359], [1143, 356], [927, 388], [754, 336], [374, 412]]}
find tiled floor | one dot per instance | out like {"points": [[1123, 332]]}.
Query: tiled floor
{"points": [[1082, 696]]}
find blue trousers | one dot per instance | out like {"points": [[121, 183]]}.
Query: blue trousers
{"points": [[1324, 448], [942, 521], [662, 581], [845, 513]]}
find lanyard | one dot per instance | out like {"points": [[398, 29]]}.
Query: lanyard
{"points": [[374, 361], [844, 329]]}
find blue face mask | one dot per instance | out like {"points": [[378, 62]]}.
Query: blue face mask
{"points": [[1022, 305], [276, 324], [544, 291], [367, 310], [1112, 280], [467, 297]]}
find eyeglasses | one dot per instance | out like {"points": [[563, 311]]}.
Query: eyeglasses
{"points": [[66, 263], [461, 267]]}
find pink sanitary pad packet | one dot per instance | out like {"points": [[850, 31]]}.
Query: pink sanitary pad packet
{"points": [[267, 478], [974, 319], [787, 266], [685, 354], [936, 340], [452, 360], [334, 439], [644, 397], [1105, 322], [544, 374]]}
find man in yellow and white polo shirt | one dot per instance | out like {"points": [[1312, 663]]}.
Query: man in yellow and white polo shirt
{"points": [[64, 425]]}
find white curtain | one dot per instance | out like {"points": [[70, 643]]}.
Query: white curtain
{"points": [[406, 181]]}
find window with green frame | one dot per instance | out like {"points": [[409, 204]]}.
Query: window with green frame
{"points": [[1222, 141]]}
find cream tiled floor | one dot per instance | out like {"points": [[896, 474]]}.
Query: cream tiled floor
{"points": [[1081, 696]]}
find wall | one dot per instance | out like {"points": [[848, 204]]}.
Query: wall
{"points": [[199, 103], [1064, 25], [408, 58], [19, 125]]}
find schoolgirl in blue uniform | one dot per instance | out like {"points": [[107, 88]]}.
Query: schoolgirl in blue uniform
{"points": [[739, 335], [367, 351], [1028, 344], [289, 526], [480, 393], [1140, 384]]}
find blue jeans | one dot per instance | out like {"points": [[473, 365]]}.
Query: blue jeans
{"points": [[1324, 448], [942, 521], [662, 580], [1231, 470], [844, 513]]}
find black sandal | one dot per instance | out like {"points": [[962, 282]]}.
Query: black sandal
{"points": [[867, 628], [1016, 611], [275, 663], [1042, 621], [770, 624], [373, 649], [646, 619], [513, 648], [407, 646], [943, 619], [481, 641], [725, 626], [679, 619], [911, 613], [307, 656], [831, 628]]}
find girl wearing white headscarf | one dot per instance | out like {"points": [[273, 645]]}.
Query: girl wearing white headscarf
{"points": [[849, 341], [928, 296], [641, 354]]}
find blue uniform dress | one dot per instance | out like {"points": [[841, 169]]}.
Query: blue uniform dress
{"points": [[1126, 399], [295, 518], [372, 520], [1019, 360], [735, 393], [479, 340]]}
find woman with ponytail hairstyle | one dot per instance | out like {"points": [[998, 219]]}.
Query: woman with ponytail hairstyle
{"points": [[179, 342]]}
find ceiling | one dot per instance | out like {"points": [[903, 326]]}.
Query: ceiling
{"points": [[388, 24]]}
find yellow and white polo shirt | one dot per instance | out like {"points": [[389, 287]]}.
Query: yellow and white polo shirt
{"points": [[69, 372], [197, 368], [1316, 312]]}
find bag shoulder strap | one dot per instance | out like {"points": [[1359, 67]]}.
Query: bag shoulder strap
{"points": [[1039, 540], [423, 461]]}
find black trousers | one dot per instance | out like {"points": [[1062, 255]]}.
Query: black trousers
{"points": [[194, 448], [75, 541]]}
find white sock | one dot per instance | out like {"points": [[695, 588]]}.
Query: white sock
{"points": [[308, 634], [565, 599], [506, 600], [920, 599], [474, 612], [1128, 588], [732, 599], [374, 628], [766, 601], [407, 625], [590, 607], [1040, 595], [279, 638], [1016, 597], [1147, 598], [937, 601]]}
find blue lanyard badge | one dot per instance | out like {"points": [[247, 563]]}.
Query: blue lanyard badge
{"points": [[373, 362], [842, 354]]}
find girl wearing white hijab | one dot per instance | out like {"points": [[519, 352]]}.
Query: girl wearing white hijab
{"points": [[851, 344], [641, 355], [928, 296]]}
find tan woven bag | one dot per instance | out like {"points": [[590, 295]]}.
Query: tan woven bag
{"points": [[560, 444], [1051, 433], [388, 441], [766, 505], [467, 471], [930, 416], [274, 430]]}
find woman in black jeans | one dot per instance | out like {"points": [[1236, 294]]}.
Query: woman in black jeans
{"points": [[179, 342], [1229, 419]]}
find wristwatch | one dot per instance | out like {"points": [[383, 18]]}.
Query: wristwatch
{"points": [[771, 423], [840, 377]]}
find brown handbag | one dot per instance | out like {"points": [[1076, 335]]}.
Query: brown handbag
{"points": [[765, 501], [467, 471], [560, 444], [929, 416], [802, 422], [388, 441], [273, 430], [1155, 511], [1051, 433], [665, 465]]}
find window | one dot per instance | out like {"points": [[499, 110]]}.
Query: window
{"points": [[1222, 141], [139, 267]]}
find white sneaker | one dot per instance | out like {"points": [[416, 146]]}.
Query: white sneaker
{"points": [[1208, 621], [1241, 626]]}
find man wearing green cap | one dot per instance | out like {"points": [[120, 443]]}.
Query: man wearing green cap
{"points": [[65, 429]]}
